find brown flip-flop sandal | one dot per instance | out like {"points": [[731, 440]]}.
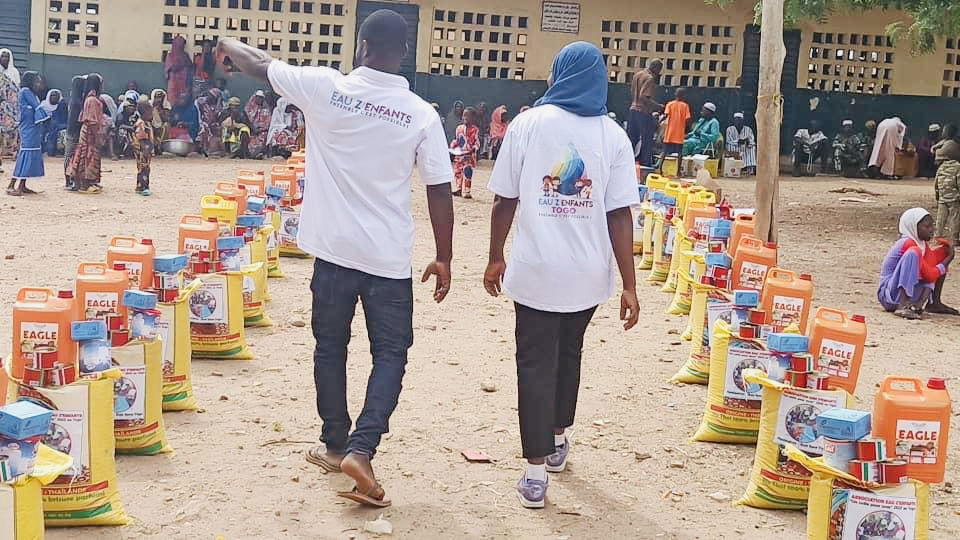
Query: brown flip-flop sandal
{"points": [[367, 498], [317, 456]]}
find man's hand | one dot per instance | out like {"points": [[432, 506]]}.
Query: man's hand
{"points": [[493, 277], [442, 271], [629, 308]]}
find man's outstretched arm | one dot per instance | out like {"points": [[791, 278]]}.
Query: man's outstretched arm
{"points": [[249, 60]]}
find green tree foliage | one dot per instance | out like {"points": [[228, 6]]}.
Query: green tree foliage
{"points": [[923, 23]]}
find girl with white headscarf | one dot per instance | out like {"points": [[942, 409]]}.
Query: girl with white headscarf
{"points": [[912, 274], [9, 109], [286, 125]]}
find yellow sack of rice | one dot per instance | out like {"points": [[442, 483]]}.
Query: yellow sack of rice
{"points": [[289, 226], [82, 427], [679, 256], [173, 328], [138, 399], [21, 502], [254, 286], [732, 411], [216, 318], [788, 415], [646, 261], [696, 370], [273, 246], [844, 508], [683, 294], [662, 238]]}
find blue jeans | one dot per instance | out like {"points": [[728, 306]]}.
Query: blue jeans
{"points": [[388, 309]]}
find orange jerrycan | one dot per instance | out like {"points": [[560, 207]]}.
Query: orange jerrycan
{"points": [[300, 170], [753, 260], [224, 211], [198, 234], [233, 192], [136, 256], [742, 226], [100, 291], [299, 155], [284, 178], [701, 207], [914, 420], [252, 181], [837, 341], [41, 324], [786, 299]]}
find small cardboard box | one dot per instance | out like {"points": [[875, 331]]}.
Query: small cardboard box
{"points": [[844, 424], [139, 299], [87, 330], [732, 167], [24, 419], [169, 264], [788, 343]]}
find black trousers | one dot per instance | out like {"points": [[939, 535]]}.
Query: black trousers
{"points": [[549, 348]]}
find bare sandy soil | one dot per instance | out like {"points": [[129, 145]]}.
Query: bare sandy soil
{"points": [[238, 469]]}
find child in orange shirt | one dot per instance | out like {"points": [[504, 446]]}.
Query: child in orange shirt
{"points": [[678, 115]]}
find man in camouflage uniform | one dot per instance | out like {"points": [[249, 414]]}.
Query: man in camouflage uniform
{"points": [[947, 154], [848, 152]]}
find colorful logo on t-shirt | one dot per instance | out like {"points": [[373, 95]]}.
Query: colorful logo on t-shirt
{"points": [[567, 189]]}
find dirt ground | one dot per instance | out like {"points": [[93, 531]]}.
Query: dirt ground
{"points": [[238, 469]]}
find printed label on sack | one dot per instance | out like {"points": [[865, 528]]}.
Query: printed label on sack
{"points": [[671, 235], [129, 395], [797, 418], [717, 311], [192, 245], [752, 276], [165, 332], [33, 335], [786, 311], [917, 441], [734, 387], [98, 305], [836, 357], [209, 303], [66, 434], [869, 516], [134, 270], [244, 256], [7, 515], [289, 226]]}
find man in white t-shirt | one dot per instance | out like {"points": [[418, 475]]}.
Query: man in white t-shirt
{"points": [[365, 133], [570, 169]]}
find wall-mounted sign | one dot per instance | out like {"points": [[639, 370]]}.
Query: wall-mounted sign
{"points": [[560, 17]]}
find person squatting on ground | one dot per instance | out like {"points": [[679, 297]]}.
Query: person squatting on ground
{"points": [[913, 272], [32, 127], [947, 184], [561, 263], [356, 221], [143, 138], [466, 145]]}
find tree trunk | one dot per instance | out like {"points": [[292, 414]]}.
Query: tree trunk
{"points": [[769, 117]]}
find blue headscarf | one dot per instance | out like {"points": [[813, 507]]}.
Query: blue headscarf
{"points": [[579, 80]]}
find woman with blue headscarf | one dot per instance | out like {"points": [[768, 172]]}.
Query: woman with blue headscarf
{"points": [[570, 170], [31, 128]]}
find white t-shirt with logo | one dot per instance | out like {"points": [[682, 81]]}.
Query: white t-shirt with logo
{"points": [[568, 171], [365, 133]]}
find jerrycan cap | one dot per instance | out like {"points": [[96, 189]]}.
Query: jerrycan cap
{"points": [[806, 277], [213, 220], [65, 293], [936, 383], [119, 266], [859, 318], [147, 242], [772, 245]]}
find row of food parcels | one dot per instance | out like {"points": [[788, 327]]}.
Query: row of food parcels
{"points": [[782, 375], [94, 367]]}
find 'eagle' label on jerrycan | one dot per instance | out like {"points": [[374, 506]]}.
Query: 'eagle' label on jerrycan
{"points": [[752, 261], [837, 341], [136, 256], [41, 322], [914, 420], [100, 291], [786, 299], [284, 178], [198, 234]]}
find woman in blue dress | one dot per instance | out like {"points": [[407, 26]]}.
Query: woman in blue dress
{"points": [[31, 129]]}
